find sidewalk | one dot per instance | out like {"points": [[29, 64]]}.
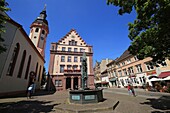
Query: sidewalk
{"points": [[54, 103]]}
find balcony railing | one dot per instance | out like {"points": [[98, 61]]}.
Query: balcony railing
{"points": [[69, 71]]}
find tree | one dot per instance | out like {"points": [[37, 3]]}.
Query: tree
{"points": [[150, 31], [3, 18]]}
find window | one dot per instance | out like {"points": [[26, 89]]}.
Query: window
{"points": [[75, 59], [62, 68], [62, 58], [36, 69], [139, 68], [63, 49], [123, 63], [81, 50], [128, 61], [81, 59], [42, 38], [28, 67], [118, 65], [13, 60], [80, 67], [75, 49], [73, 42], [149, 66], [114, 74], [75, 67], [22, 64], [125, 72], [37, 29], [130, 70], [120, 73], [68, 67], [135, 58], [43, 32], [39, 74], [58, 83], [69, 49], [69, 59], [52, 47]]}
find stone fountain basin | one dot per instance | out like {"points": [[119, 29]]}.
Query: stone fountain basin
{"points": [[86, 96]]}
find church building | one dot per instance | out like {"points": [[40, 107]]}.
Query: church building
{"points": [[65, 62], [22, 62]]}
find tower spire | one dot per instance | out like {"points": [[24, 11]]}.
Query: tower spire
{"points": [[39, 31], [45, 5]]}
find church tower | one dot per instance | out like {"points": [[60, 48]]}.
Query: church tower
{"points": [[39, 31]]}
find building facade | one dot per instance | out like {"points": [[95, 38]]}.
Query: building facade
{"points": [[129, 70], [65, 62], [101, 75], [20, 59]]}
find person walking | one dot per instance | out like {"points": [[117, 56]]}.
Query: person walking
{"points": [[30, 91], [129, 89], [133, 91]]}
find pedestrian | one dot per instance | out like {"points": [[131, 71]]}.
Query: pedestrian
{"points": [[30, 91], [133, 91], [129, 89]]}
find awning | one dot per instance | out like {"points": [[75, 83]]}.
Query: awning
{"points": [[104, 82], [167, 78], [155, 79], [98, 81], [112, 79], [164, 74]]}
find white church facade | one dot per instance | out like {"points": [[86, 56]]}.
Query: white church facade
{"points": [[24, 54]]}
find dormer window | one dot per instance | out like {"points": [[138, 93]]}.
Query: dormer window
{"points": [[37, 29], [73, 42]]}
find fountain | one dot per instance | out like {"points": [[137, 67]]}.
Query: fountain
{"points": [[85, 95]]}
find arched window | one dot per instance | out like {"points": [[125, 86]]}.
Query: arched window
{"points": [[13, 60], [36, 70], [22, 64], [37, 29], [28, 67], [39, 74], [43, 32]]}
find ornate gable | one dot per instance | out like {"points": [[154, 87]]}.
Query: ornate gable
{"points": [[72, 38]]}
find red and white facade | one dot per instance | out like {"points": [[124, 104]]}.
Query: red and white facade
{"points": [[65, 62]]}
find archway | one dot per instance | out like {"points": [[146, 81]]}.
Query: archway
{"points": [[75, 83], [68, 82]]}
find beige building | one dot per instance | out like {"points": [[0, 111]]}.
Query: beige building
{"points": [[100, 71], [137, 72], [65, 62], [22, 56]]}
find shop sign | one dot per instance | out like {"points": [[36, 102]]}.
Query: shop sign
{"points": [[151, 72]]}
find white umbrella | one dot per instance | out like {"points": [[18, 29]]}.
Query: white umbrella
{"points": [[167, 78], [156, 79]]}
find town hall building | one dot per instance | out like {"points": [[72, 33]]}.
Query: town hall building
{"points": [[65, 62]]}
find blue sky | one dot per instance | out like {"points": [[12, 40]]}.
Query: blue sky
{"points": [[96, 22]]}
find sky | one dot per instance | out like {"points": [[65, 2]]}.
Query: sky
{"points": [[97, 23]]}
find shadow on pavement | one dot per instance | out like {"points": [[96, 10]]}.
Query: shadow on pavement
{"points": [[162, 103], [27, 106], [37, 93]]}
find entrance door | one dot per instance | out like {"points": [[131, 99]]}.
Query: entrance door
{"points": [[68, 83], [75, 84]]}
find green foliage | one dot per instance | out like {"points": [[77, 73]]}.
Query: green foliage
{"points": [[149, 32], [3, 18]]}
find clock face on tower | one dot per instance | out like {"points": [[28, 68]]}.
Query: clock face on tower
{"points": [[42, 38]]}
